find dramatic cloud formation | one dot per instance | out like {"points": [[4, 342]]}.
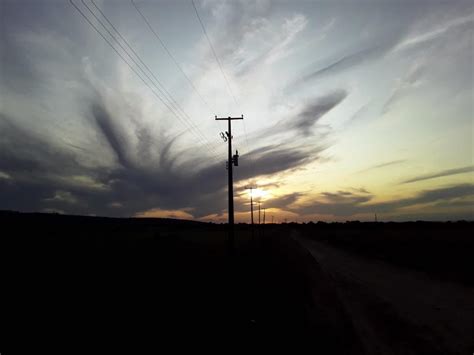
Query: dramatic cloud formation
{"points": [[85, 130]]}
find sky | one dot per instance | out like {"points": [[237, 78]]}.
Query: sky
{"points": [[351, 108]]}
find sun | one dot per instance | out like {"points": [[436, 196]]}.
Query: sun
{"points": [[259, 193]]}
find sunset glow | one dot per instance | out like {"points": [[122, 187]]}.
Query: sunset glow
{"points": [[351, 108]]}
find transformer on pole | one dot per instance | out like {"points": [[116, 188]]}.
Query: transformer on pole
{"points": [[232, 161]]}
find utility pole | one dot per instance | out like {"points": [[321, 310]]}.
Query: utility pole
{"points": [[264, 216], [259, 205], [231, 161], [251, 202], [272, 219]]}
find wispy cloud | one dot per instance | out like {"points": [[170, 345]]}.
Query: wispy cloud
{"points": [[346, 203], [443, 173], [435, 33], [383, 165], [81, 133], [302, 123], [343, 63]]}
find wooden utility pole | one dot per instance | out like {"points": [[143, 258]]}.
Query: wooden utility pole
{"points": [[231, 161], [264, 216], [259, 205], [251, 202]]}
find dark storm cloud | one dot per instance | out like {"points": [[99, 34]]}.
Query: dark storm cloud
{"points": [[449, 172], [344, 203]]}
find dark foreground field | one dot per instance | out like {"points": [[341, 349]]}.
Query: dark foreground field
{"points": [[67, 281]]}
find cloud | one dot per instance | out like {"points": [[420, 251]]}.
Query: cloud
{"points": [[435, 33], [441, 194], [47, 173], [449, 172], [300, 125], [283, 202], [23, 153], [343, 63], [412, 79], [383, 165], [279, 43], [159, 213], [313, 112], [81, 133], [109, 130], [346, 203], [52, 210], [115, 205], [371, 47], [383, 36], [62, 197], [360, 190], [4, 176]]}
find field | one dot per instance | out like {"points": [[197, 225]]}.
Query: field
{"points": [[352, 288]]}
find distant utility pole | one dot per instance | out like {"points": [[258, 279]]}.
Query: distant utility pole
{"points": [[264, 216], [272, 219], [259, 205], [231, 161], [251, 202]]}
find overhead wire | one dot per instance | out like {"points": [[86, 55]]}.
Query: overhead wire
{"points": [[163, 90], [215, 54], [173, 58], [157, 36], [252, 161], [161, 99]]}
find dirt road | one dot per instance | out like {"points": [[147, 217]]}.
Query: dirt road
{"points": [[395, 310]]}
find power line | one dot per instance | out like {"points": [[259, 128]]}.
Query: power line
{"points": [[214, 52], [171, 56], [130, 66], [172, 109], [162, 89], [162, 43], [226, 80]]}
